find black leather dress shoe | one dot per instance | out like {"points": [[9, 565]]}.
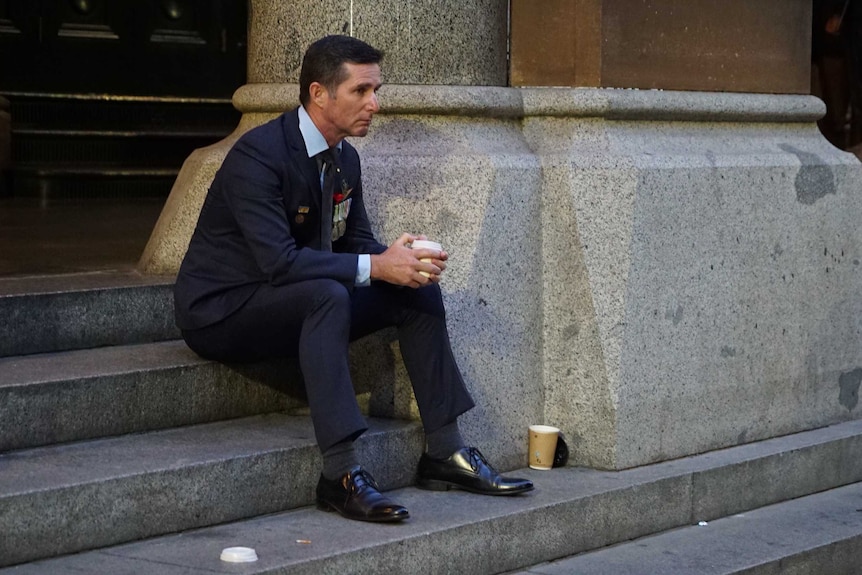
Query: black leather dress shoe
{"points": [[356, 496], [467, 469]]}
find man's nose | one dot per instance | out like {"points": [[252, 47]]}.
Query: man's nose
{"points": [[372, 101]]}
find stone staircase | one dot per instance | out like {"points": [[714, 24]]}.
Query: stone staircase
{"points": [[72, 146], [122, 452]]}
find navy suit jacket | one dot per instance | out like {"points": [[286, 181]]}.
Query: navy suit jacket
{"points": [[260, 224]]}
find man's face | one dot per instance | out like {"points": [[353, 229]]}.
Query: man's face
{"points": [[349, 110]]}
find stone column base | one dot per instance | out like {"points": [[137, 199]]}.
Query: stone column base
{"points": [[657, 273]]}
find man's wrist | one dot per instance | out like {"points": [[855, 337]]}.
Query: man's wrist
{"points": [[363, 270], [373, 262]]}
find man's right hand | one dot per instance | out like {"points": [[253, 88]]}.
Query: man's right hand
{"points": [[400, 264]]}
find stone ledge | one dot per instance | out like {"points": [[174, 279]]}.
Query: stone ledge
{"points": [[661, 105], [397, 99], [77, 282], [610, 104]]}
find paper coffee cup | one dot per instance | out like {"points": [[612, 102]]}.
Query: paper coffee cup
{"points": [[417, 244], [543, 444]]}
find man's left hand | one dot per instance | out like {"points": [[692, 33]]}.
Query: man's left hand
{"points": [[401, 265]]}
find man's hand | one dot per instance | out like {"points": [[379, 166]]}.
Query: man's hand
{"points": [[400, 265]]}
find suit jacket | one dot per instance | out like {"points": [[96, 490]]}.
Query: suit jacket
{"points": [[260, 223]]}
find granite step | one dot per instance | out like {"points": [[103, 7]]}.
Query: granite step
{"points": [[817, 534], [572, 511], [66, 146], [155, 146], [79, 311], [69, 498], [56, 183], [72, 395], [83, 112]]}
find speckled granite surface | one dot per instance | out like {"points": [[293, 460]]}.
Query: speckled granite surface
{"points": [[657, 273], [453, 42]]}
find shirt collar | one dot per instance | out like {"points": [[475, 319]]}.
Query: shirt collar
{"points": [[314, 140]]}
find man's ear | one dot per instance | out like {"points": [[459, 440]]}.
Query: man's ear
{"points": [[317, 93]]}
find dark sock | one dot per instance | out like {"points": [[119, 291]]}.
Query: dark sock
{"points": [[338, 460], [445, 441]]}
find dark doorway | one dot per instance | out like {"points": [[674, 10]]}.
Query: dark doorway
{"points": [[193, 48], [836, 70], [106, 99]]}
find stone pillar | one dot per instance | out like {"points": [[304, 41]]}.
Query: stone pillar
{"points": [[699, 247], [657, 272], [700, 272], [445, 42]]}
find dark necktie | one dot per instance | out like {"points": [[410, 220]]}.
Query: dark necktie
{"points": [[330, 177]]}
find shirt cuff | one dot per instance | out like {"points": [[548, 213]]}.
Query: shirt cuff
{"points": [[363, 271]]}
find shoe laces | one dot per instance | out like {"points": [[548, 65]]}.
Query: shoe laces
{"points": [[476, 458], [362, 480]]}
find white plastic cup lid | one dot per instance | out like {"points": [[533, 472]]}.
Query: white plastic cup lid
{"points": [[416, 244], [239, 555], [544, 429]]}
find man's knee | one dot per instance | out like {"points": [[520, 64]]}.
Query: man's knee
{"points": [[429, 299], [329, 293]]}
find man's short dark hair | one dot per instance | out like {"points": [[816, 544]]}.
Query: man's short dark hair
{"points": [[324, 59]]}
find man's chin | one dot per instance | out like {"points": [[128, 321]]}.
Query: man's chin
{"points": [[361, 131]]}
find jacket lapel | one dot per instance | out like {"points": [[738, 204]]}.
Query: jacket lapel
{"points": [[299, 165]]}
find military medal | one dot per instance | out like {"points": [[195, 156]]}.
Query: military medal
{"points": [[338, 229], [340, 209], [339, 218]]}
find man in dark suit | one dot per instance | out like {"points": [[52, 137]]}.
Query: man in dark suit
{"points": [[283, 263]]}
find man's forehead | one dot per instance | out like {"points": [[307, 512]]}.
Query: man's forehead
{"points": [[362, 73]]}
